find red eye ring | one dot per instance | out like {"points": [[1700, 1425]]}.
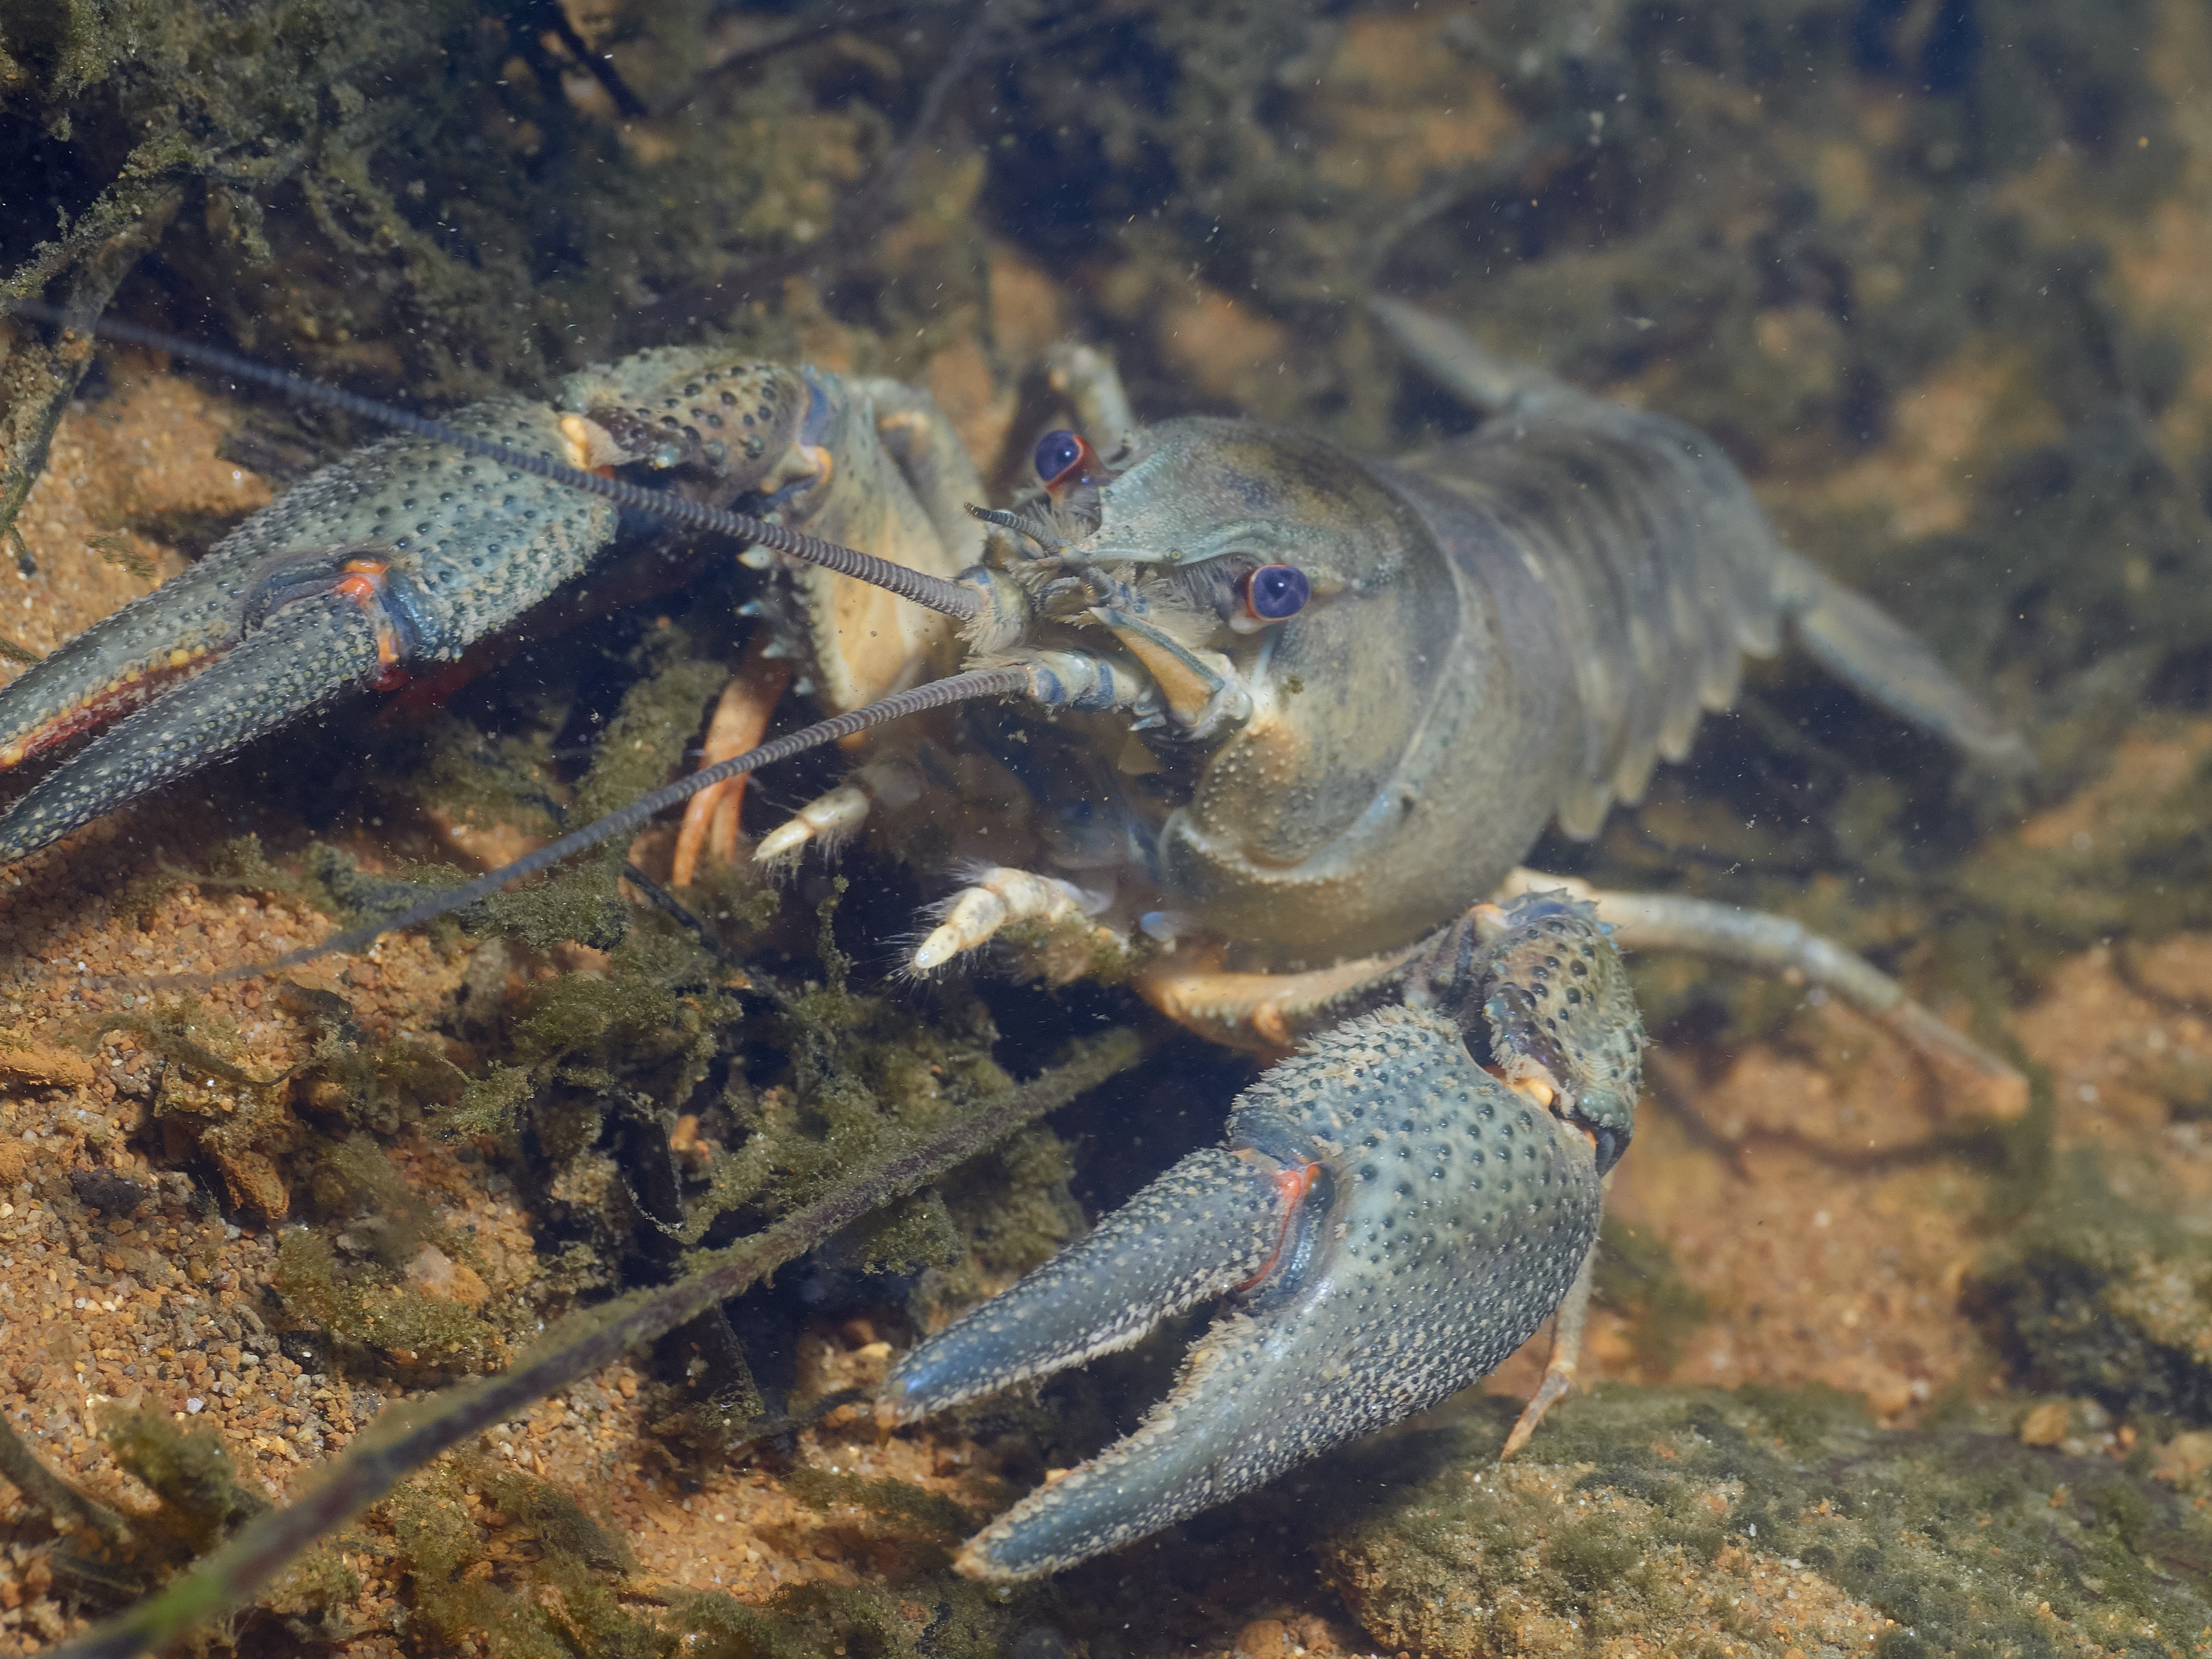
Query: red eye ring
{"points": [[1274, 592], [1064, 460]]}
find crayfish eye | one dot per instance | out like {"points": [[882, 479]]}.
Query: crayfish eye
{"points": [[1057, 452], [1275, 592]]}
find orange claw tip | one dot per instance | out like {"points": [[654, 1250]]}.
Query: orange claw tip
{"points": [[121, 696], [591, 446]]}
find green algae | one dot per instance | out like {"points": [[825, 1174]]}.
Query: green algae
{"points": [[116, 107], [357, 895], [203, 1500], [919, 1618], [414, 1436], [380, 1313], [559, 1593], [408, 1287], [634, 752], [909, 1237], [482, 779], [490, 1105], [199, 1502], [1635, 1275], [354, 1178], [499, 1555], [1644, 1513], [241, 865], [2096, 1296], [386, 184]]}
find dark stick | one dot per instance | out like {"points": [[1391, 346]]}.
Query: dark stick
{"points": [[47, 1491]]}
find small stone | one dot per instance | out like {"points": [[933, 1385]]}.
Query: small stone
{"points": [[2185, 1457], [1264, 1638], [254, 1183], [2046, 1426], [436, 1275], [44, 1068], [104, 1189]]}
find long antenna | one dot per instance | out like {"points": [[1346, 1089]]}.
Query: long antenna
{"points": [[936, 694], [934, 592]]}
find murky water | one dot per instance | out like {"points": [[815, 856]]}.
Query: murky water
{"points": [[1883, 1360]]}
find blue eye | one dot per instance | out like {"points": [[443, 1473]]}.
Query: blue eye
{"points": [[1274, 591], [1056, 451]]}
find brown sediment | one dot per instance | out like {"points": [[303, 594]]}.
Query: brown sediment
{"points": [[124, 473]]}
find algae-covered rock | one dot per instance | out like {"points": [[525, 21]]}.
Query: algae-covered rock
{"points": [[1762, 1521], [2094, 1296]]}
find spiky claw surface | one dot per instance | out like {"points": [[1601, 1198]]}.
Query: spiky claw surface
{"points": [[1543, 980], [1209, 1223], [458, 547], [307, 653], [1408, 1220]]}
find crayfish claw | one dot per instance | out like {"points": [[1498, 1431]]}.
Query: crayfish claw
{"points": [[1390, 1220], [404, 553], [118, 665], [1207, 1224], [308, 653]]}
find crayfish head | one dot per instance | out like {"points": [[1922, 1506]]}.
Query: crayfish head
{"points": [[1192, 495], [1339, 618]]}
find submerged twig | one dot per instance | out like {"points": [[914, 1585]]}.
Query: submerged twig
{"points": [[410, 1437], [802, 33], [677, 911], [116, 231], [41, 1486]]}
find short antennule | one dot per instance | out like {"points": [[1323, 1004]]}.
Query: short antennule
{"points": [[1020, 525], [932, 592], [935, 694]]}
